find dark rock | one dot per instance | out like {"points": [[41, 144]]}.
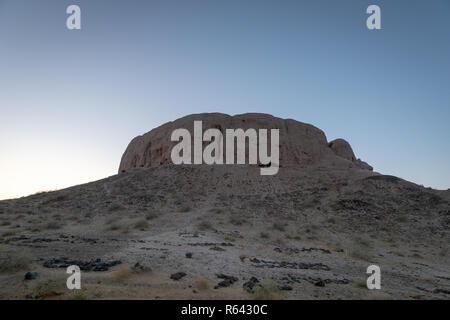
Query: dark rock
{"points": [[177, 276], [227, 281], [217, 249], [140, 268], [438, 290], [248, 286], [93, 265], [286, 288], [320, 283], [31, 275], [288, 265], [189, 255]]}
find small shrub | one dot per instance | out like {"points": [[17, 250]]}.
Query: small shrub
{"points": [[9, 233], [52, 225], [362, 242], [43, 289], [361, 249], [267, 290], [401, 219], [55, 199], [280, 242], [204, 225], [216, 210], [151, 216], [122, 273], [202, 284], [185, 209], [362, 284], [13, 261], [139, 268], [115, 206], [279, 226], [79, 295], [141, 224], [115, 226], [237, 221], [361, 253], [378, 296], [331, 220], [264, 235], [291, 236], [110, 220]]}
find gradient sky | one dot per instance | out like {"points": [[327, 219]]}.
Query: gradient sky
{"points": [[70, 101]]}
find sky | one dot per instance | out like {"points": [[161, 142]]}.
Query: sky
{"points": [[71, 100]]}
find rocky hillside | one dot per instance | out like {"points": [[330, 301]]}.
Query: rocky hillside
{"points": [[162, 231]]}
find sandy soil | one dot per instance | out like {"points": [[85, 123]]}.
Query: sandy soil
{"points": [[304, 234]]}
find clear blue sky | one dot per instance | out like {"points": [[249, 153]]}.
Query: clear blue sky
{"points": [[70, 101]]}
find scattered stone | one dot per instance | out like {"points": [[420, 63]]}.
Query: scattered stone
{"points": [[438, 290], [286, 288], [140, 268], [250, 284], [320, 283], [289, 265], [315, 281], [31, 275], [217, 249], [189, 255], [177, 276], [296, 250], [209, 244], [93, 265], [227, 281]]}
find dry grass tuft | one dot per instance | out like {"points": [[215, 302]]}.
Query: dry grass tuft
{"points": [[184, 209], [42, 289], [52, 225], [122, 273], [202, 284], [79, 295], [115, 226], [267, 290], [361, 250], [279, 226], [141, 224], [12, 261], [264, 235], [204, 225], [362, 284]]}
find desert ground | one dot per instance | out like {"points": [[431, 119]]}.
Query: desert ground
{"points": [[226, 232]]}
